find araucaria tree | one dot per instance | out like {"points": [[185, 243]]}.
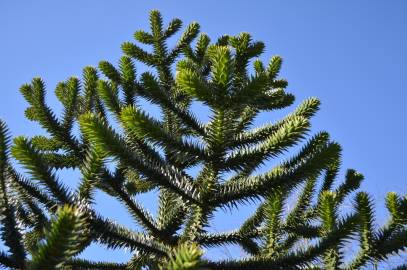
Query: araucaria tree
{"points": [[196, 168]]}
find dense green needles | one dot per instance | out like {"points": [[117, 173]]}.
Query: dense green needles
{"points": [[45, 224]]}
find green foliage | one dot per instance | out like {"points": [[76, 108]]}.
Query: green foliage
{"points": [[62, 240], [297, 222], [185, 257]]}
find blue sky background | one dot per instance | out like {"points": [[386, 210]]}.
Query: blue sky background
{"points": [[350, 54]]}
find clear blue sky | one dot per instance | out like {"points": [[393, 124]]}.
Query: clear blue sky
{"points": [[350, 54]]}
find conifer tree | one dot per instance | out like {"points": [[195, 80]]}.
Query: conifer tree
{"points": [[46, 225]]}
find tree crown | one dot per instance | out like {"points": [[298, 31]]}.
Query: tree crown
{"points": [[46, 225]]}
